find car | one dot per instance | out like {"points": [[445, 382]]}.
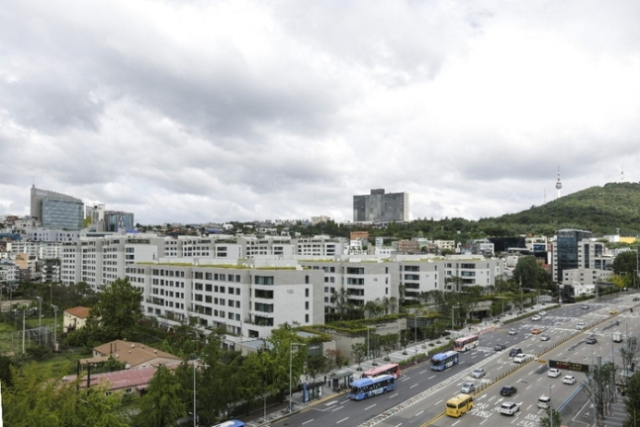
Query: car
{"points": [[592, 340], [580, 326], [585, 307], [636, 298], [544, 337], [478, 373], [499, 347], [520, 358], [553, 373], [536, 317], [542, 313], [569, 379], [509, 408], [536, 331], [508, 390], [513, 331], [468, 387], [613, 311], [514, 352]]}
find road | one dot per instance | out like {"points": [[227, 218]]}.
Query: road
{"points": [[421, 393]]}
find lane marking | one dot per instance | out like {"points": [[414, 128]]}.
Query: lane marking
{"points": [[415, 385], [431, 377], [369, 407], [393, 395], [419, 413], [306, 422], [344, 419], [338, 408]]}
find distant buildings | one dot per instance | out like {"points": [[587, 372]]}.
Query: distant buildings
{"points": [[55, 210], [110, 221], [565, 252], [381, 207]]}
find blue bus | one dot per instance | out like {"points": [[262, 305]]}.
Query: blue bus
{"points": [[442, 361], [366, 387], [230, 423]]}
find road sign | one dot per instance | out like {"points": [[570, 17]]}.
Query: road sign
{"points": [[571, 366]]}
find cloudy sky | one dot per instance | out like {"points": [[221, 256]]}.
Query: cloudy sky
{"points": [[205, 110]]}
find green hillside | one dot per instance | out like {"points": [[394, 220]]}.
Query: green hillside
{"points": [[601, 210]]}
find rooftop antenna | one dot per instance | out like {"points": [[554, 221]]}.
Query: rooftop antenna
{"points": [[558, 184]]}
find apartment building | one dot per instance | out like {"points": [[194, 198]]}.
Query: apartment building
{"points": [[247, 299], [569, 251], [381, 207]]}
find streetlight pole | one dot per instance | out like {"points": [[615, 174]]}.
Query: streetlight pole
{"points": [[291, 369], [55, 326], [194, 395], [452, 318], [39, 311], [415, 333]]}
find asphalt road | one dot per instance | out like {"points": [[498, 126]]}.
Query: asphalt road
{"points": [[421, 393]]}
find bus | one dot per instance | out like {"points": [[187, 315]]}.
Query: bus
{"points": [[459, 405], [367, 387], [442, 361], [466, 343], [230, 423], [388, 369]]}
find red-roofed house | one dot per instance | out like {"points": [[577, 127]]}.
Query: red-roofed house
{"points": [[75, 318], [134, 355]]}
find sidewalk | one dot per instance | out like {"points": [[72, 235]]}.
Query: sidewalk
{"points": [[277, 412]]}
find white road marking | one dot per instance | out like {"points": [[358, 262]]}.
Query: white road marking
{"points": [[421, 372], [306, 422], [338, 408], [369, 407], [431, 377], [344, 419], [415, 385], [439, 402], [333, 402], [393, 395], [419, 413]]}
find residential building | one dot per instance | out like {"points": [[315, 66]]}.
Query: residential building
{"points": [[74, 318], [110, 221], [56, 210], [133, 354], [381, 207]]}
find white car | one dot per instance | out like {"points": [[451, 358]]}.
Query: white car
{"points": [[580, 326], [569, 379], [553, 373], [536, 317], [542, 313], [513, 331], [478, 373], [520, 358], [509, 408]]}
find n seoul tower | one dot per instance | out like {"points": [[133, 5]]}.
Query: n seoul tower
{"points": [[558, 184]]}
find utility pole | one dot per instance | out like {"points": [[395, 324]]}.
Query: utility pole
{"points": [[55, 326], [24, 329]]}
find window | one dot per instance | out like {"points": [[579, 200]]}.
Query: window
{"points": [[306, 305], [306, 318], [306, 292], [355, 270], [263, 280]]}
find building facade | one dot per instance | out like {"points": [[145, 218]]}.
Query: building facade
{"points": [[381, 207], [566, 252], [56, 210]]}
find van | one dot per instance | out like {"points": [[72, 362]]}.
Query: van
{"points": [[617, 337], [459, 405], [544, 402]]}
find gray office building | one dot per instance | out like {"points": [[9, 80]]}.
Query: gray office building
{"points": [[381, 207], [55, 210]]}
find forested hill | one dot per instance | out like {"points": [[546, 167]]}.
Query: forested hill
{"points": [[601, 210]]}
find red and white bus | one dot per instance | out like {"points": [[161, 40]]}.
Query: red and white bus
{"points": [[466, 343], [388, 369]]}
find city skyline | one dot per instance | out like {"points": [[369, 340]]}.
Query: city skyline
{"points": [[193, 112]]}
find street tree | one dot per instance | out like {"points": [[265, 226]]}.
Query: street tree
{"points": [[632, 401], [358, 351], [626, 263], [316, 365], [552, 419], [601, 388]]}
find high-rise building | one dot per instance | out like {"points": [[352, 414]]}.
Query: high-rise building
{"points": [[566, 250], [112, 221], [55, 210], [381, 207]]}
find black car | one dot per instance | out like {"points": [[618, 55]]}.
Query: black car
{"points": [[592, 340], [508, 390], [499, 347], [514, 352], [636, 298]]}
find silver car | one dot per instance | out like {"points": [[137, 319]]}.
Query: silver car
{"points": [[478, 373], [468, 387]]}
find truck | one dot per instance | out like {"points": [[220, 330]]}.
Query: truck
{"points": [[617, 337]]}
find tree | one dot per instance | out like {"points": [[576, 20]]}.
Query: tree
{"points": [[163, 404], [526, 272], [388, 343], [600, 388], [116, 315], [316, 364], [405, 336], [358, 351], [552, 419], [626, 263], [632, 401]]}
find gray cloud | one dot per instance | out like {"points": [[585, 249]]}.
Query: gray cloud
{"points": [[198, 111]]}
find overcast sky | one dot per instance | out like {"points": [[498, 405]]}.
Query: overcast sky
{"points": [[205, 110]]}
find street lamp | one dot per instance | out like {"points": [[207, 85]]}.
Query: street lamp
{"points": [[55, 326], [453, 326], [39, 311], [291, 369]]}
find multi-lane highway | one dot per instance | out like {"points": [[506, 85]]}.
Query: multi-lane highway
{"points": [[421, 393]]}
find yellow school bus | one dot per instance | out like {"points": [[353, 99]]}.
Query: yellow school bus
{"points": [[460, 404]]}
